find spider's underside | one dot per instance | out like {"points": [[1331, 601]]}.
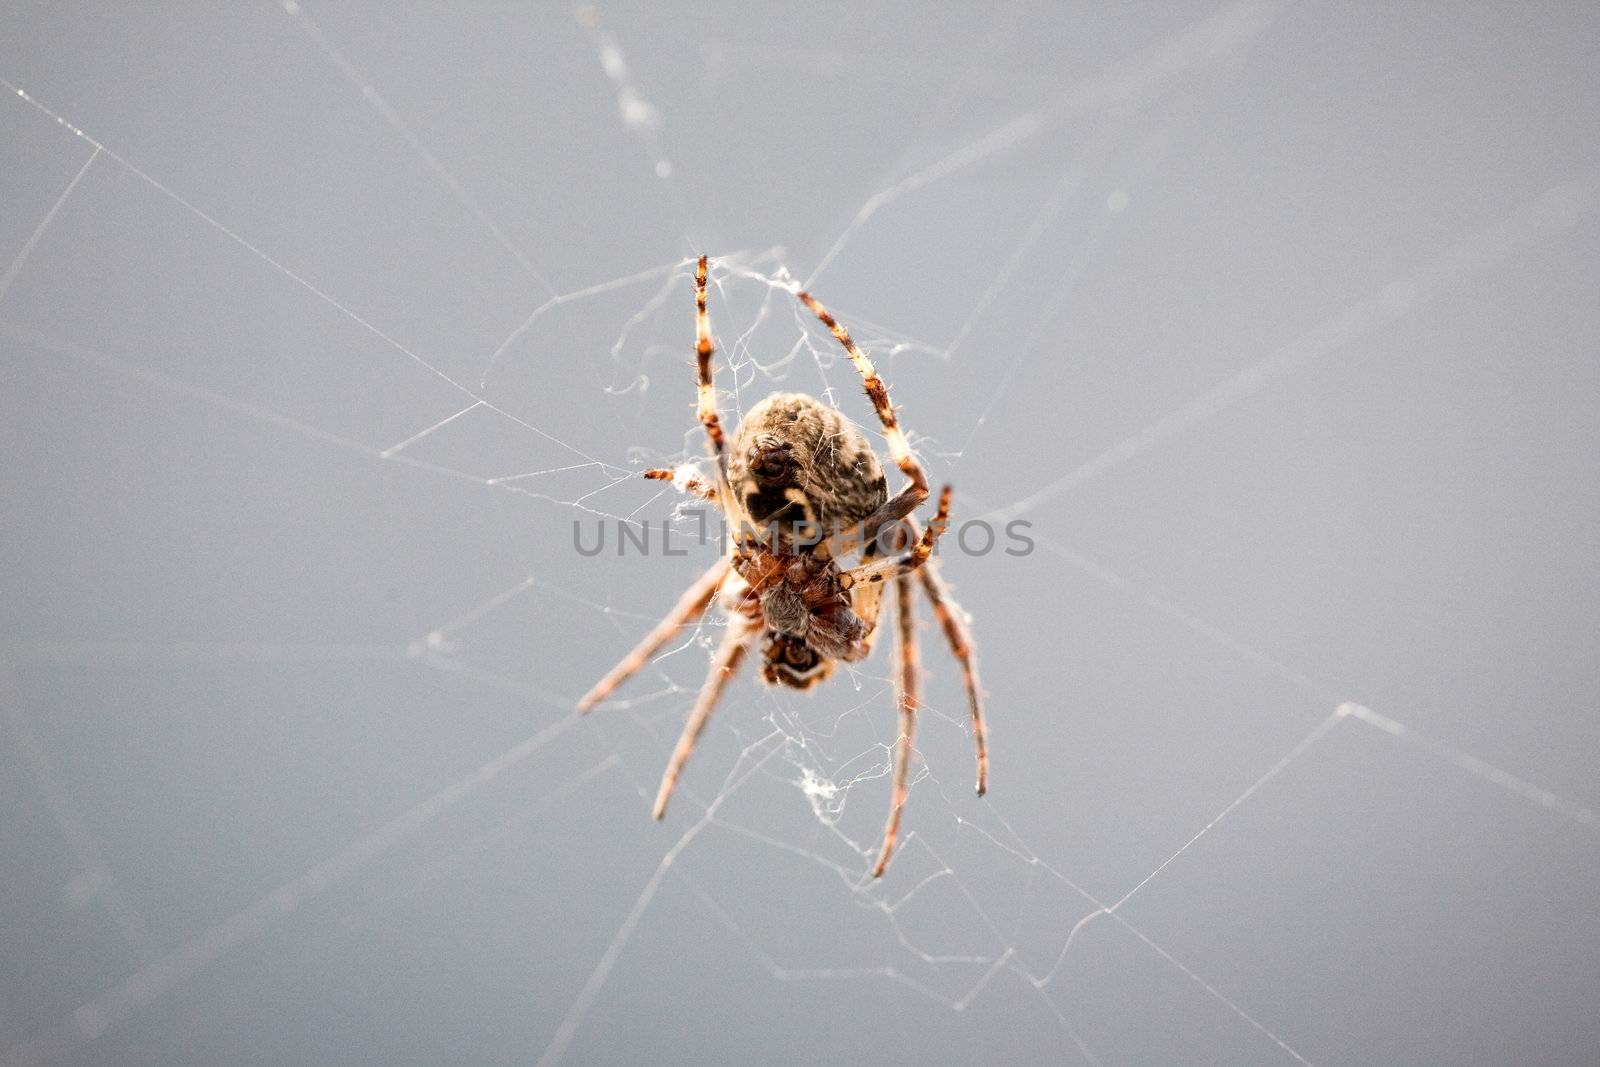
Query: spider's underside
{"points": [[797, 464]]}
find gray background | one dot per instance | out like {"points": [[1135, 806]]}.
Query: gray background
{"points": [[1277, 322]]}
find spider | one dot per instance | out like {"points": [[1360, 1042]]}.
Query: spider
{"points": [[795, 460]]}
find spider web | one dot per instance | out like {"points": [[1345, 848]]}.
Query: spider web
{"points": [[318, 370]]}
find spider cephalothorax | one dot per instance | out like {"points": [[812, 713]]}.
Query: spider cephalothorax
{"points": [[804, 595], [801, 488], [801, 594]]}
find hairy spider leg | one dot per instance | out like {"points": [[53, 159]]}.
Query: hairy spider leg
{"points": [[897, 566], [952, 620], [690, 606], [742, 630], [908, 499], [906, 698], [692, 485], [716, 440]]}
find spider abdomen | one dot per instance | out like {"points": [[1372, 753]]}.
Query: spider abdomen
{"points": [[795, 458]]}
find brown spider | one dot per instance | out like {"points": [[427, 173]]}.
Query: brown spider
{"points": [[799, 462]]}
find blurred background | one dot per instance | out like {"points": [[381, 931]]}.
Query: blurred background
{"points": [[326, 330]]}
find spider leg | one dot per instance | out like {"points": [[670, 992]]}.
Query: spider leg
{"points": [[691, 485], [899, 566], [690, 606], [864, 534], [724, 664], [907, 499], [906, 697], [953, 622], [716, 440]]}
